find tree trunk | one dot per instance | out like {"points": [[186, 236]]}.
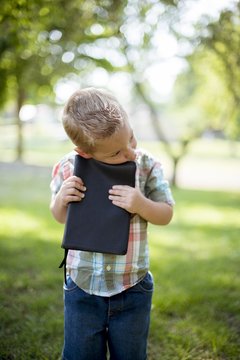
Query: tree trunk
{"points": [[183, 143], [157, 128], [19, 123], [174, 173]]}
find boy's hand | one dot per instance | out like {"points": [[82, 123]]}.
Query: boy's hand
{"points": [[132, 200], [71, 190], [126, 197]]}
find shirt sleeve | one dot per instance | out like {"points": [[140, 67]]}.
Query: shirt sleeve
{"points": [[61, 171], [157, 187]]}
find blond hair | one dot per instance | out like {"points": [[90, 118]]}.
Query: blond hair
{"points": [[90, 115]]}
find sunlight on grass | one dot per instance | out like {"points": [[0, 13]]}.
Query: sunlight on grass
{"points": [[193, 243], [16, 222], [209, 215]]}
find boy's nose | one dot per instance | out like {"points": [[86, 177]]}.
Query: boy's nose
{"points": [[130, 154]]}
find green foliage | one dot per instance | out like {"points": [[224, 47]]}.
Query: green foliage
{"points": [[201, 99], [224, 39], [214, 73], [44, 41], [36, 35]]}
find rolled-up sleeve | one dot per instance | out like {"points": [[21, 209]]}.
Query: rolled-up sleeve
{"points": [[57, 179], [157, 187], [61, 171]]}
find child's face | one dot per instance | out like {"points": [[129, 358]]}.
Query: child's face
{"points": [[118, 148]]}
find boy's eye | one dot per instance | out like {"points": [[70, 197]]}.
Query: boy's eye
{"points": [[117, 153]]}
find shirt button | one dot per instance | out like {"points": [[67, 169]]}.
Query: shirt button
{"points": [[108, 268]]}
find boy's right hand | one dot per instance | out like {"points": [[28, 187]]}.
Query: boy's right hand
{"points": [[72, 189]]}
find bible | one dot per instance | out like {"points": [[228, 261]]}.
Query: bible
{"points": [[94, 224]]}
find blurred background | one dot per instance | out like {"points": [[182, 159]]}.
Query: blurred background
{"points": [[175, 67], [173, 64]]}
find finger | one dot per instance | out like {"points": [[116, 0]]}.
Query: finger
{"points": [[121, 187], [75, 185], [75, 182], [78, 183], [74, 198], [80, 187], [121, 204], [120, 192], [77, 179], [119, 201], [74, 192], [115, 198]]}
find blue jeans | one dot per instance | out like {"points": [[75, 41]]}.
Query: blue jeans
{"points": [[94, 323]]}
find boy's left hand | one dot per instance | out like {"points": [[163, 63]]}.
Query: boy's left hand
{"points": [[126, 197]]}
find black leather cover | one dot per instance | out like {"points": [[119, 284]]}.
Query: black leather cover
{"points": [[95, 224]]}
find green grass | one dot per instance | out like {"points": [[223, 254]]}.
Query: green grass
{"points": [[196, 266], [194, 260]]}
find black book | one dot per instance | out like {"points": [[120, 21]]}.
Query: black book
{"points": [[95, 224]]}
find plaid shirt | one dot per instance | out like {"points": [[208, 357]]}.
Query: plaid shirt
{"points": [[105, 274]]}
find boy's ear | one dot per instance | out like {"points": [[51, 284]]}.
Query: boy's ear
{"points": [[83, 153]]}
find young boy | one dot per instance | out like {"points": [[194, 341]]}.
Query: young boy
{"points": [[107, 298]]}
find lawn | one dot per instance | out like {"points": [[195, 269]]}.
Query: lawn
{"points": [[194, 260]]}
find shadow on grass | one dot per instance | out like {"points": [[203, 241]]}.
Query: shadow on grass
{"points": [[31, 316], [195, 311], [196, 302]]}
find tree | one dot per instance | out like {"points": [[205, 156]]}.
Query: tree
{"points": [[34, 55], [215, 65], [40, 42], [201, 98], [140, 51], [76, 36]]}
